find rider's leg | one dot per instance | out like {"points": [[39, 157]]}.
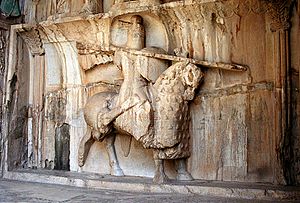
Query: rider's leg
{"points": [[107, 116], [115, 169]]}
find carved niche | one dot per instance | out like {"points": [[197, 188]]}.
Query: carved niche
{"points": [[152, 105]]}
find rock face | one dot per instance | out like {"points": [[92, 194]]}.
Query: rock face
{"points": [[233, 125]]}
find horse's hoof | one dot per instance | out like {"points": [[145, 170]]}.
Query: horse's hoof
{"points": [[160, 179], [117, 172], [184, 176]]}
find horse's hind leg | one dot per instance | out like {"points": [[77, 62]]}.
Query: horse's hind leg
{"points": [[182, 173], [160, 176], [84, 147], [115, 168]]}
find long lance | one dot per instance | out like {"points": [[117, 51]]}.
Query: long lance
{"points": [[207, 64]]}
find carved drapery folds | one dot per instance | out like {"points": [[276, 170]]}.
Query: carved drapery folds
{"points": [[33, 40]]}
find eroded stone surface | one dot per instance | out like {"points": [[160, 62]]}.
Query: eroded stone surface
{"points": [[12, 191], [138, 186], [240, 121]]}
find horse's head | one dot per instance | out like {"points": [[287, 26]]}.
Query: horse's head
{"points": [[191, 77], [181, 78]]}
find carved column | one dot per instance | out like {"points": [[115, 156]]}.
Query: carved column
{"points": [[3, 54], [32, 39], [279, 13], [34, 9]]}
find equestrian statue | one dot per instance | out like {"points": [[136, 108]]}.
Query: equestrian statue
{"points": [[152, 105]]}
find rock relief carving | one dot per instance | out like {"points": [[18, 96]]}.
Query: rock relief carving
{"points": [[33, 40], [56, 107], [92, 6], [101, 57], [152, 105], [278, 10], [2, 52], [62, 6], [140, 1]]}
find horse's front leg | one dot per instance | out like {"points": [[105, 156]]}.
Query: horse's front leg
{"points": [[115, 168], [160, 176], [85, 146], [182, 173]]}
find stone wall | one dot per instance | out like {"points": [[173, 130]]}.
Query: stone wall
{"points": [[294, 159], [240, 120], [18, 110], [3, 62], [5, 24]]}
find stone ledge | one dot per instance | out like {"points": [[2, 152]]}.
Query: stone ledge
{"points": [[117, 10], [137, 184]]}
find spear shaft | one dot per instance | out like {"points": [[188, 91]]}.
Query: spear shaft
{"points": [[207, 64]]}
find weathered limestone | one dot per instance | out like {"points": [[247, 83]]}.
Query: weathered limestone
{"points": [[242, 126], [242, 191], [3, 68], [105, 111], [295, 107]]}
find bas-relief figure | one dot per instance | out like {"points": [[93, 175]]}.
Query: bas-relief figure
{"points": [[63, 6], [92, 6], [152, 105], [141, 1]]}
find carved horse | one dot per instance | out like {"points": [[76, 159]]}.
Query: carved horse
{"points": [[168, 136]]}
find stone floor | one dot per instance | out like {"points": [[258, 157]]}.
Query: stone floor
{"points": [[173, 190], [17, 191]]}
